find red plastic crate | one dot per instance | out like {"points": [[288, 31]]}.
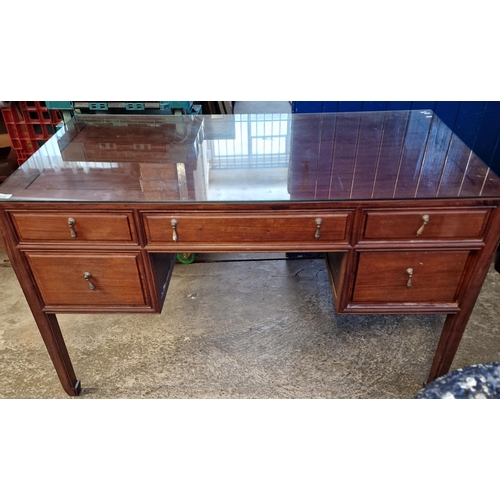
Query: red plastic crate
{"points": [[39, 120], [29, 124], [18, 133]]}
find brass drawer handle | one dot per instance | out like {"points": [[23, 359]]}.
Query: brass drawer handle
{"points": [[318, 227], [87, 276], [425, 220], [410, 274], [174, 227], [71, 223]]}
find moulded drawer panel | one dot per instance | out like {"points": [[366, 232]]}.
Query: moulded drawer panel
{"points": [[383, 277], [118, 279], [441, 224], [88, 227], [246, 229]]}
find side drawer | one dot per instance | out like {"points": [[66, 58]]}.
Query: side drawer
{"points": [[79, 227], [246, 230], [409, 277], [463, 224], [90, 282]]}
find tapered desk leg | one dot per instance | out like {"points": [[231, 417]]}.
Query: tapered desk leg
{"points": [[452, 333], [54, 342]]}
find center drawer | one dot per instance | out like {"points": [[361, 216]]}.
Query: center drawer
{"points": [[92, 282], [246, 230], [74, 226]]}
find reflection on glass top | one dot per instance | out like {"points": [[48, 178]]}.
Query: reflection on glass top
{"points": [[274, 157]]}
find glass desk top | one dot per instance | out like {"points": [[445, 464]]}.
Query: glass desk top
{"points": [[252, 158]]}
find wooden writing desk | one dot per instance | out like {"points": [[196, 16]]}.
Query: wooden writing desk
{"points": [[406, 213]]}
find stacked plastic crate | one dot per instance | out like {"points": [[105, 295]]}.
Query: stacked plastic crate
{"points": [[29, 124]]}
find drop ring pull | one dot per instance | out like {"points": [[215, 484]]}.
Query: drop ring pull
{"points": [[425, 220], [318, 221], [409, 271]]}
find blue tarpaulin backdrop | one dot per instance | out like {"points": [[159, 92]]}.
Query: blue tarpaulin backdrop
{"points": [[477, 123]]}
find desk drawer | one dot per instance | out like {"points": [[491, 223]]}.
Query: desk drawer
{"points": [[245, 229], [464, 224], [79, 227], [409, 277], [113, 280]]}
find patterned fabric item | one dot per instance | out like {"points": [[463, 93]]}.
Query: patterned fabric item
{"points": [[472, 382]]}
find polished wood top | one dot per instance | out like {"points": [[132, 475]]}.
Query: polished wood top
{"points": [[252, 158]]}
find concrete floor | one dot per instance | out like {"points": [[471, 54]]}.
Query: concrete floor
{"points": [[238, 329], [238, 326]]}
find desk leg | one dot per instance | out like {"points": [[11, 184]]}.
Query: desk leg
{"points": [[452, 333], [54, 342], [455, 324]]}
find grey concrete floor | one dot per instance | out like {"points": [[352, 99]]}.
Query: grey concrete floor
{"points": [[238, 329]]}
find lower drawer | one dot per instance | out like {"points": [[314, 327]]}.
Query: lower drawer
{"points": [[90, 282], [409, 277]]}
